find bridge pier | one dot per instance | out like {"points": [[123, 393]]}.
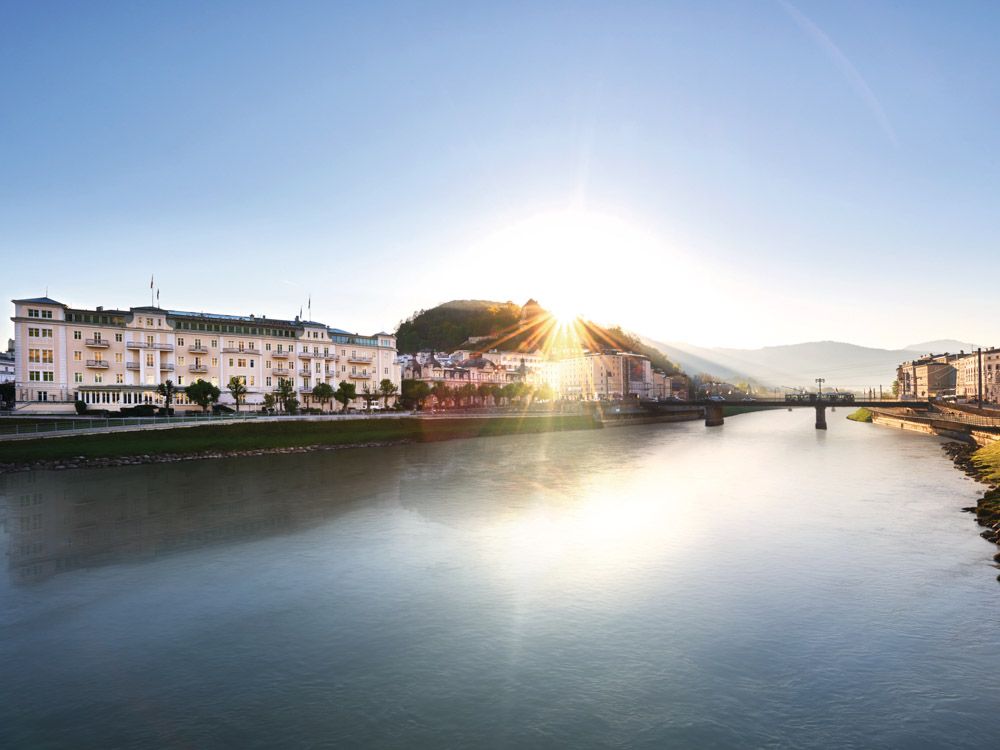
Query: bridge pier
{"points": [[713, 415], [820, 417]]}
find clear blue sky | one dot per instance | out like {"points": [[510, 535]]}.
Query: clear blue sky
{"points": [[745, 173]]}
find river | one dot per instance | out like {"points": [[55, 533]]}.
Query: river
{"points": [[757, 584]]}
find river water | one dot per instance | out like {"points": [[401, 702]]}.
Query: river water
{"points": [[758, 584]]}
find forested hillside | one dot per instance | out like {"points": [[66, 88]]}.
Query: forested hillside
{"points": [[509, 326]]}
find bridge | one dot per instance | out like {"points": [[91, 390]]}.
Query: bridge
{"points": [[714, 407]]}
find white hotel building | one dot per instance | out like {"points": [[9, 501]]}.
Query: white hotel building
{"points": [[115, 358]]}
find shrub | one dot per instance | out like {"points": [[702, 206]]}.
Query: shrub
{"points": [[80, 406]]}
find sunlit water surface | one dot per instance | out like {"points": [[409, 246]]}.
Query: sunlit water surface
{"points": [[759, 584]]}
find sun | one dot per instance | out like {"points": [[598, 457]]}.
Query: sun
{"points": [[563, 312]]}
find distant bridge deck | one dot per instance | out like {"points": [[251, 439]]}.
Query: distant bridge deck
{"points": [[776, 402], [714, 415]]}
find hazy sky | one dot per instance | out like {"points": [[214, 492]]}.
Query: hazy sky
{"points": [[725, 173]]}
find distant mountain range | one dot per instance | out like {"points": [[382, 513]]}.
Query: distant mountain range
{"points": [[845, 366]]}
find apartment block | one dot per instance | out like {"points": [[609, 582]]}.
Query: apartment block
{"points": [[111, 358], [967, 378]]}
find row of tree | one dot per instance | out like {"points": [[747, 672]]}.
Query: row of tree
{"points": [[416, 392], [205, 394]]}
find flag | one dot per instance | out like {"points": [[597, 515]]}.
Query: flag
{"points": [[150, 281], [157, 296]]}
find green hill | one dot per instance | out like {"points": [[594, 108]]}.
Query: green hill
{"points": [[446, 327], [512, 327]]}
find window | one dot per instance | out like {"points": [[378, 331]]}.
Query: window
{"points": [[251, 380], [251, 363], [240, 362], [119, 378], [77, 335], [180, 380], [34, 355], [215, 362], [34, 375], [78, 377], [267, 347], [46, 313], [77, 356], [33, 332], [98, 378], [32, 313], [149, 321], [230, 361], [180, 361], [47, 356], [149, 360], [215, 342], [267, 381], [267, 364], [118, 337], [118, 357]]}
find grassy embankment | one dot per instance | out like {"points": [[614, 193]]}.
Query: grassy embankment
{"points": [[987, 460], [861, 415], [264, 435]]}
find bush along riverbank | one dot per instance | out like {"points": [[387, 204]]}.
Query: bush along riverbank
{"points": [[983, 465], [253, 439], [860, 415]]}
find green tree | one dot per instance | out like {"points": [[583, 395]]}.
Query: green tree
{"points": [[895, 389], [369, 396], [509, 392], [544, 392], [203, 393], [441, 393], [467, 391], [484, 391], [345, 394], [496, 391], [414, 393], [167, 389], [269, 401], [387, 389], [237, 389], [322, 392], [285, 393]]}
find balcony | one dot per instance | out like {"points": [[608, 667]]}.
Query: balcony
{"points": [[166, 367], [280, 355], [307, 355], [360, 376], [198, 368], [98, 364], [237, 350], [146, 345], [305, 373], [98, 343], [198, 349], [362, 358], [131, 365], [282, 373]]}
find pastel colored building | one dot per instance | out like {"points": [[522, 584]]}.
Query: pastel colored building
{"points": [[112, 358]]}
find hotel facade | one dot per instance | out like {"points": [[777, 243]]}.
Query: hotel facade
{"points": [[114, 358]]}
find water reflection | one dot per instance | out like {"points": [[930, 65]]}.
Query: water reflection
{"points": [[61, 521], [755, 585]]}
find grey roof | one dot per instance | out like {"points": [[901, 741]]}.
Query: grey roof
{"points": [[39, 301]]}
